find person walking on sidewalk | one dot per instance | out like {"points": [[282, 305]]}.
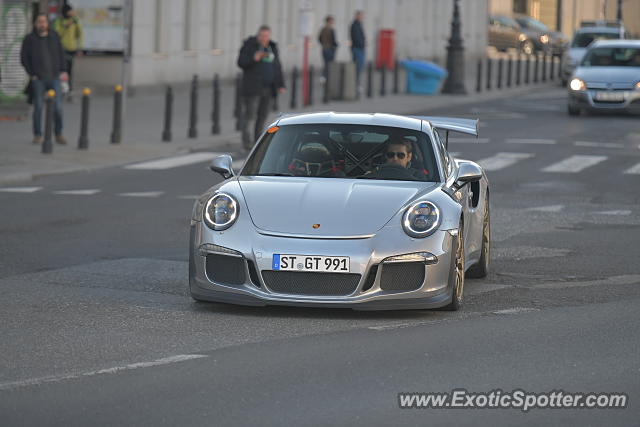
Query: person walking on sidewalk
{"points": [[262, 79], [70, 31], [358, 42], [327, 39], [43, 59]]}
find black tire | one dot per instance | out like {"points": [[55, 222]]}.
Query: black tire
{"points": [[456, 275], [481, 268], [573, 111]]}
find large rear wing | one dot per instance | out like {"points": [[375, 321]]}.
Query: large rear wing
{"points": [[452, 124]]}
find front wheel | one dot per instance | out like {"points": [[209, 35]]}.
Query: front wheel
{"points": [[481, 269], [456, 276], [573, 111]]}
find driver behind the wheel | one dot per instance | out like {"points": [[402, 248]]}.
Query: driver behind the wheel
{"points": [[398, 153]]}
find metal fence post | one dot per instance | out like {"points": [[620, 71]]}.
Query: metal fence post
{"points": [[193, 109], [83, 139], [294, 85], [489, 66], [396, 84], [369, 80], [47, 146], [116, 131], [215, 112]]}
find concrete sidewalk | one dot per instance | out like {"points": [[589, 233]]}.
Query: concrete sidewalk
{"points": [[20, 160]]}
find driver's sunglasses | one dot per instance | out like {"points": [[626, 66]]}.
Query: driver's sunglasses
{"points": [[392, 154]]}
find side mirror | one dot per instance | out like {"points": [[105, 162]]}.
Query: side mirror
{"points": [[468, 172], [223, 165]]}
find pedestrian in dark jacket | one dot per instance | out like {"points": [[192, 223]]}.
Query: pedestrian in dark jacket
{"points": [[43, 59], [358, 42], [262, 79], [327, 39]]}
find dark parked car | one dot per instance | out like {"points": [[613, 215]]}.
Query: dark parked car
{"points": [[505, 33], [543, 39]]}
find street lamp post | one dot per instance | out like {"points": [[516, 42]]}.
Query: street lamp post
{"points": [[455, 57]]}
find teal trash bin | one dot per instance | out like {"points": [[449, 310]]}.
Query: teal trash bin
{"points": [[423, 77]]}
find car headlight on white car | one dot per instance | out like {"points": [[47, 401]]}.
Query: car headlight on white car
{"points": [[577, 84], [220, 211], [421, 219]]}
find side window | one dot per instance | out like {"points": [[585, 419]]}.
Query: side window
{"points": [[444, 156]]}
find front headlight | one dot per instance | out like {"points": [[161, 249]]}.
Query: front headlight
{"points": [[544, 39], [220, 211], [577, 84], [421, 219], [638, 86]]}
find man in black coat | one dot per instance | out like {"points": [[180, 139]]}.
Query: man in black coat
{"points": [[43, 59], [358, 43], [262, 79]]}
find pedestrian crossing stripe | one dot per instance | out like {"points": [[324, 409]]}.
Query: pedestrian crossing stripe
{"points": [[502, 160], [174, 162], [634, 170], [88, 192], [575, 164], [20, 189]]}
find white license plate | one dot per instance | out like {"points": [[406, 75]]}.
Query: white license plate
{"points": [[609, 96], [330, 264]]}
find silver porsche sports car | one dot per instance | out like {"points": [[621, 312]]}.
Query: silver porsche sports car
{"points": [[367, 211]]}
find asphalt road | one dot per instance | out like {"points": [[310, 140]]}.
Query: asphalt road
{"points": [[97, 327]]}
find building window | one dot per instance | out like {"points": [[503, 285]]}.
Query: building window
{"points": [[157, 30], [188, 45]]}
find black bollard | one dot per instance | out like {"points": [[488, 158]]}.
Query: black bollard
{"points": [[509, 71], [369, 80], [310, 98], [479, 76], [552, 69], [396, 71], [518, 69], [294, 86], [168, 114], [499, 73], [489, 66], [536, 66], [83, 140], [343, 73], [237, 107], [215, 112], [544, 67], [47, 146], [527, 70], [383, 80], [325, 90], [193, 109], [116, 130]]}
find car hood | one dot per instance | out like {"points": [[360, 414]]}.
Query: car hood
{"points": [[626, 75], [342, 207]]}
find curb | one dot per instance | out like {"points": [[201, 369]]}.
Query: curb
{"points": [[223, 141]]}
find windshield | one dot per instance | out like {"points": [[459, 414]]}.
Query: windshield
{"points": [[612, 57], [585, 39], [531, 23], [344, 151]]}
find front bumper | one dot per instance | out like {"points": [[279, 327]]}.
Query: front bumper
{"points": [[586, 100], [368, 258]]}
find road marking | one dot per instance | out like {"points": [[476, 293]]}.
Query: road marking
{"points": [[516, 310], [530, 141], [598, 144], [550, 208], [502, 160], [635, 170], [174, 162], [20, 189], [113, 370], [189, 197], [574, 164], [621, 212], [143, 194], [469, 140], [89, 192]]}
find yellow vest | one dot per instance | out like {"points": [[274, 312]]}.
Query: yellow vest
{"points": [[70, 33]]}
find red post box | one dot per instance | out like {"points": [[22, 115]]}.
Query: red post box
{"points": [[386, 49]]}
